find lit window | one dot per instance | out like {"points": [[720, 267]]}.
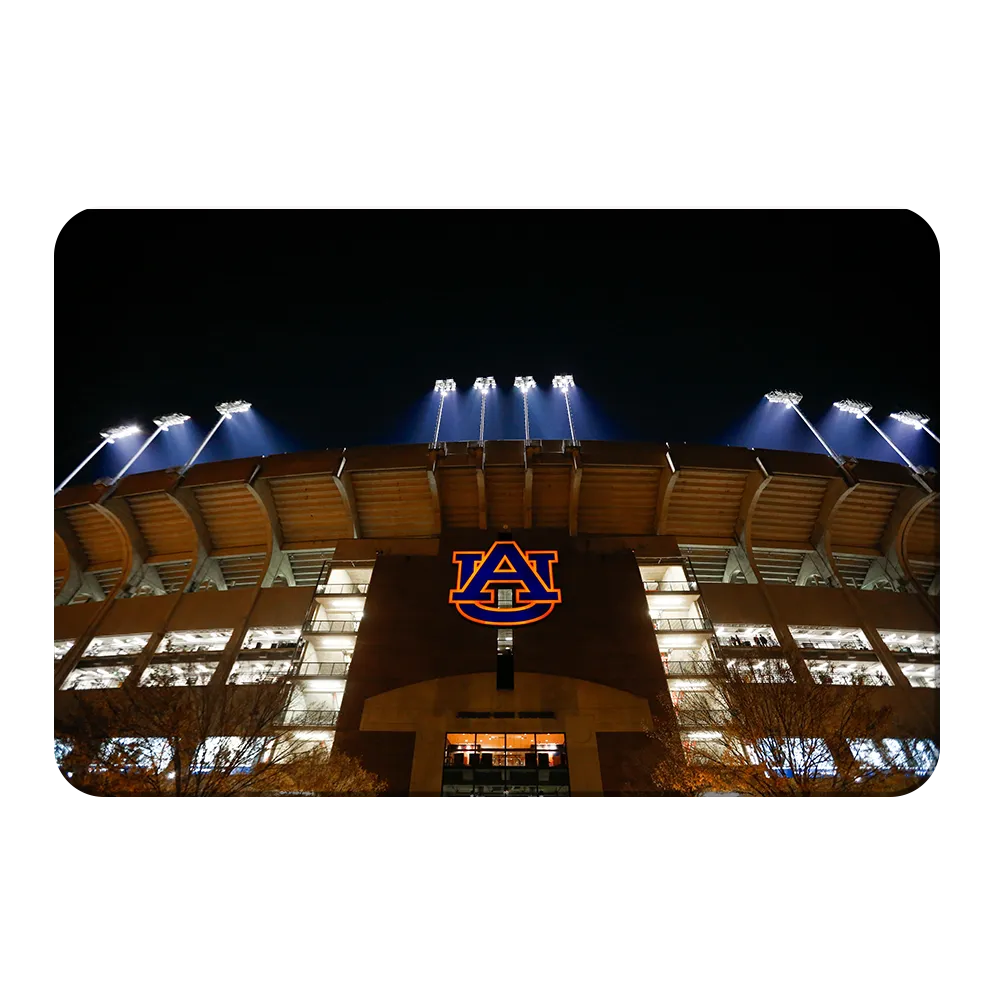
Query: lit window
{"points": [[232, 754], [848, 672], [94, 678], [794, 757], [141, 752], [178, 674], [63, 646], [258, 671], [194, 641], [912, 756], [118, 645], [274, 637]]}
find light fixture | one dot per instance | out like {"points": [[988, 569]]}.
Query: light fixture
{"points": [[108, 436], [791, 399], [785, 396], [170, 420], [856, 406], [162, 424], [524, 383], [861, 410], [236, 406], [564, 383], [226, 411], [917, 420], [442, 386], [482, 385]]}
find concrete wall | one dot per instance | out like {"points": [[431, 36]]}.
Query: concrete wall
{"points": [[735, 602], [896, 611], [584, 712], [812, 605], [71, 620], [136, 614], [213, 609], [411, 633], [282, 606]]}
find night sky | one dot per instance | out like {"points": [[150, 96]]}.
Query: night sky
{"points": [[335, 324]]}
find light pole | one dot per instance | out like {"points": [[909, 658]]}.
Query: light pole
{"points": [[443, 386], [791, 400], [226, 411], [861, 409], [915, 420], [163, 423], [524, 383], [564, 383], [108, 436], [483, 385]]}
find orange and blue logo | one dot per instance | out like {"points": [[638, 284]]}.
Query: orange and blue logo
{"points": [[505, 565]]}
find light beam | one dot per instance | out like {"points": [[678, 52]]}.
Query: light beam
{"points": [[791, 400]]}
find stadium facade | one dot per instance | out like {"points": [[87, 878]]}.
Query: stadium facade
{"points": [[365, 577]]}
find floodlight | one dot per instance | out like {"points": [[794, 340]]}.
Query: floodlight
{"points": [[108, 436], [483, 384], [236, 406], [791, 399], [226, 411], [917, 420], [170, 420], [443, 386], [909, 417], [163, 423], [861, 409], [121, 431], [856, 406], [524, 383], [786, 396], [564, 383]]}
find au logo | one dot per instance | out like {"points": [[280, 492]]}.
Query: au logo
{"points": [[505, 565]]}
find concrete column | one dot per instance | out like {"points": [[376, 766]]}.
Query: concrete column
{"points": [[584, 760]]}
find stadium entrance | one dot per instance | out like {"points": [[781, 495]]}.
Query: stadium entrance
{"points": [[505, 764]]}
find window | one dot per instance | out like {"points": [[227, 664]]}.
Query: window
{"points": [[927, 675], [276, 637], [519, 764], [913, 756], [143, 752], [258, 671], [915, 643], [178, 674], [794, 757], [63, 646], [194, 642], [747, 635], [829, 637], [232, 754], [95, 677], [848, 672], [118, 645]]}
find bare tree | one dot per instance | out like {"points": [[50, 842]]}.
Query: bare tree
{"points": [[190, 740], [755, 732]]}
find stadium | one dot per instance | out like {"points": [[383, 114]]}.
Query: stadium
{"points": [[501, 617]]}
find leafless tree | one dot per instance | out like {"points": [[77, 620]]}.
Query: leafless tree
{"points": [[755, 732], [191, 740]]}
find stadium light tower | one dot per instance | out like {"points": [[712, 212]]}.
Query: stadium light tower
{"points": [[226, 411], [524, 383], [483, 385], [791, 400], [564, 383], [917, 420], [163, 423], [861, 409], [443, 386], [108, 436]]}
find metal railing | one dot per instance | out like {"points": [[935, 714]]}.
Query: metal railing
{"points": [[330, 626], [652, 586], [323, 668], [692, 668], [309, 717], [342, 588], [682, 625]]}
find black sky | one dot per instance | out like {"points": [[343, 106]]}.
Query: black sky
{"points": [[335, 323]]}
